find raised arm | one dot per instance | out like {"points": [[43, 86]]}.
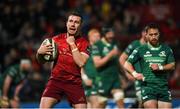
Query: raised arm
{"points": [[80, 58], [100, 61]]}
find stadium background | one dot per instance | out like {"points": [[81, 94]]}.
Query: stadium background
{"points": [[25, 23]]}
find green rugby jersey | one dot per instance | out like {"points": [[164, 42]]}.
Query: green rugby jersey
{"points": [[89, 67], [102, 48], [147, 55], [16, 74], [135, 44]]}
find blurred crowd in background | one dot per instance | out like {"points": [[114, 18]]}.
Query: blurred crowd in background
{"points": [[25, 23]]}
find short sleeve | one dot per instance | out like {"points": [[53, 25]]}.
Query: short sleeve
{"points": [[11, 72], [85, 47], [134, 56], [95, 50], [129, 49], [170, 57]]}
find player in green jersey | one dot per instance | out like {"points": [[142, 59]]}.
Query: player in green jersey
{"points": [[89, 72], [11, 83], [124, 56], [156, 60], [105, 56]]}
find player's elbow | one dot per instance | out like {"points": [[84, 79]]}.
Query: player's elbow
{"points": [[97, 65], [121, 61]]}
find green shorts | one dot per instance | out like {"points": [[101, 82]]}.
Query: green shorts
{"points": [[137, 86], [106, 84], [155, 92], [89, 91]]}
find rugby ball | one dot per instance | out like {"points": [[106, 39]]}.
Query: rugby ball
{"points": [[54, 52]]}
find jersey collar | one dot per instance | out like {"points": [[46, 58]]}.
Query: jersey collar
{"points": [[105, 42], [153, 48]]}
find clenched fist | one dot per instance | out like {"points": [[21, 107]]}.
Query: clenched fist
{"points": [[70, 40]]}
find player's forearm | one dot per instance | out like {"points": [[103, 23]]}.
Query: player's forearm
{"points": [[83, 75], [6, 85], [99, 62], [78, 57], [170, 66], [122, 61], [129, 67], [18, 88]]}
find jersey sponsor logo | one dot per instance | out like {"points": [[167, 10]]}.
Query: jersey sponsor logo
{"points": [[154, 60], [147, 54]]}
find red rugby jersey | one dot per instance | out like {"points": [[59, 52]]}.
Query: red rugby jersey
{"points": [[65, 69]]}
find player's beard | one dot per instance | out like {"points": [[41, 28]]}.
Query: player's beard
{"points": [[109, 39], [154, 42]]}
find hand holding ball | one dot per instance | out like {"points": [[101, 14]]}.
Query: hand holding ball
{"points": [[48, 50]]}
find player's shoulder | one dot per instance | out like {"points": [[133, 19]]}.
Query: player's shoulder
{"points": [[98, 43], [82, 38], [135, 42], [142, 47], [59, 36], [12, 70], [15, 66], [166, 47]]}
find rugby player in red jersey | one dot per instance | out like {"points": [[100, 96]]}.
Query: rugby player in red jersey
{"points": [[65, 76]]}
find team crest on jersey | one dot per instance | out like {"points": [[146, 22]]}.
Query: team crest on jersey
{"points": [[162, 54], [147, 54]]}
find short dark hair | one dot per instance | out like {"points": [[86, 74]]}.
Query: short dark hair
{"points": [[144, 28], [106, 29], [76, 13], [152, 25]]}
